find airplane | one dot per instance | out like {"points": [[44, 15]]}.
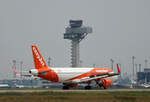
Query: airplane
{"points": [[24, 74], [14, 70], [71, 77]]}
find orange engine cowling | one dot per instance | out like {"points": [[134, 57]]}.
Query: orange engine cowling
{"points": [[73, 85], [105, 83]]}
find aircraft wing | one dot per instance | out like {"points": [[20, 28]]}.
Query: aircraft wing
{"points": [[96, 77]]}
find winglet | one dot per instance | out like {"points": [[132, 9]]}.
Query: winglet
{"points": [[118, 69]]}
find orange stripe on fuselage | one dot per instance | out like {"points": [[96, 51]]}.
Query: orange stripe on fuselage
{"points": [[51, 75], [94, 71]]}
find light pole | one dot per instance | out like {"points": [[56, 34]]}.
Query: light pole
{"points": [[133, 58], [146, 63], [14, 65], [112, 63], [21, 63], [49, 61]]}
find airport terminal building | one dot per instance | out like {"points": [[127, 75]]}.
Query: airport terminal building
{"points": [[144, 77]]}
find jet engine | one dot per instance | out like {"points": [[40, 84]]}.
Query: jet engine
{"points": [[104, 83], [34, 72]]}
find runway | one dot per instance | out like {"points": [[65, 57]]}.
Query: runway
{"points": [[76, 90]]}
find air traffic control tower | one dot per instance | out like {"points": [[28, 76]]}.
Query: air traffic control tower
{"points": [[76, 33]]}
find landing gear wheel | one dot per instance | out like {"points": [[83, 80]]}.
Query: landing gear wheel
{"points": [[87, 87], [65, 87]]}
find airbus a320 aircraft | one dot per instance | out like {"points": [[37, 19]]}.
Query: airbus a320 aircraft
{"points": [[71, 77]]}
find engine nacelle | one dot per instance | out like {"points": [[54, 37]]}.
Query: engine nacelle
{"points": [[34, 71], [105, 83]]}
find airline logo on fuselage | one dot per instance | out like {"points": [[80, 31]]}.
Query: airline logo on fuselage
{"points": [[103, 71], [38, 56]]}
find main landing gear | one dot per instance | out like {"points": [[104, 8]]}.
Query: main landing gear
{"points": [[87, 87], [65, 87]]}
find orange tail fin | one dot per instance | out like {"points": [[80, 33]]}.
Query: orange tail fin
{"points": [[38, 59]]}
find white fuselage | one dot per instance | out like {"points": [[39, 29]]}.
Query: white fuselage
{"points": [[68, 73]]}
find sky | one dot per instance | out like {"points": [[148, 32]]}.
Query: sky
{"points": [[121, 29]]}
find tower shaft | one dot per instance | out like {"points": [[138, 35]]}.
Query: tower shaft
{"points": [[75, 56]]}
